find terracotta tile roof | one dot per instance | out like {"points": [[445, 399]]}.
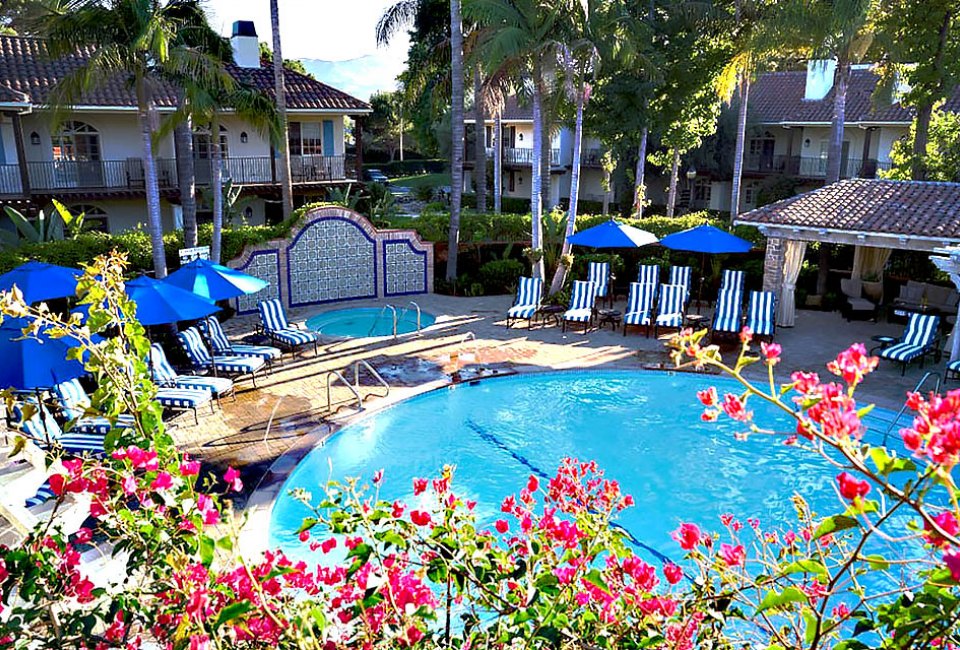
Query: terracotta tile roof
{"points": [[25, 67], [11, 96], [778, 97], [914, 208]]}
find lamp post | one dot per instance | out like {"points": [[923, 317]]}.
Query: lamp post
{"points": [[691, 177]]}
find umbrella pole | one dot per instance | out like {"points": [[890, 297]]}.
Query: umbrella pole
{"points": [[703, 258]]}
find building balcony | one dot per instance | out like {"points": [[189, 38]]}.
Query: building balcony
{"points": [[591, 158], [515, 157], [76, 177], [811, 167]]}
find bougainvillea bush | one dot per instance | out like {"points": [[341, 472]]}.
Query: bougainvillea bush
{"points": [[554, 571]]}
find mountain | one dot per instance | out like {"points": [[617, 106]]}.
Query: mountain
{"points": [[361, 76]]}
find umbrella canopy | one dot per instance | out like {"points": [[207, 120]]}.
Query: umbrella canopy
{"points": [[613, 234], [34, 363], [40, 281], [214, 281], [706, 239], [159, 303]]}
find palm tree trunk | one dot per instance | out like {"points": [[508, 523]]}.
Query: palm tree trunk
{"points": [[187, 177], [639, 189], [536, 181], [835, 151], [497, 162], [283, 147], [672, 194], [560, 276], [145, 113], [546, 150], [480, 158], [456, 164], [739, 147], [216, 187]]}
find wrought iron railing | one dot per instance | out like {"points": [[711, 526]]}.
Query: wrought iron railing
{"points": [[10, 180], [811, 167], [69, 175], [514, 156]]}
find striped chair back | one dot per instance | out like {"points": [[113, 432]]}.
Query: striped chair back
{"points": [[73, 398], [584, 295], [921, 328], [529, 292], [649, 274], [672, 298], [732, 281], [681, 275], [729, 311], [272, 315], [193, 345], [160, 368], [599, 274], [641, 296], [41, 425], [760, 314], [218, 340]]}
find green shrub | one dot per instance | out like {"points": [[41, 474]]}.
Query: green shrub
{"points": [[409, 167], [424, 192], [500, 276]]}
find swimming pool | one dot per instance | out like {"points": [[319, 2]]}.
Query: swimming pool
{"points": [[368, 321], [642, 427]]}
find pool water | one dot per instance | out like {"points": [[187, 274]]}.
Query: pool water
{"points": [[368, 321], [642, 427]]}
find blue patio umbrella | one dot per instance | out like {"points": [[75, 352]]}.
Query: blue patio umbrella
{"points": [[35, 362], [613, 234], [705, 239], [159, 303], [40, 281], [214, 281]]}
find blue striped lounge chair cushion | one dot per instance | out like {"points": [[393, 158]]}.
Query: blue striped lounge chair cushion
{"points": [[522, 311], [581, 302], [681, 275], [221, 345], [639, 303], [42, 426], [265, 352], [649, 274], [762, 312], [732, 280], [599, 274], [529, 291], [919, 334], [193, 345], [162, 371], [293, 337], [238, 364], [272, 315], [183, 398], [44, 494], [954, 366], [200, 356], [727, 317], [670, 305], [216, 385], [75, 402]]}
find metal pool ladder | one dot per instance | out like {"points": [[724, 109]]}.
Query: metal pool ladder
{"points": [[380, 315], [419, 314], [335, 376], [916, 389]]}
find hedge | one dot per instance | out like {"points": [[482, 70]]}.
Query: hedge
{"points": [[409, 167]]}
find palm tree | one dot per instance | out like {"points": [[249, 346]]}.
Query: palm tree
{"points": [[186, 176], [132, 40], [456, 119], [283, 145]]}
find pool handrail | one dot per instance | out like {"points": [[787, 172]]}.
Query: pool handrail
{"points": [[373, 371], [419, 313], [384, 309], [916, 389], [335, 374]]}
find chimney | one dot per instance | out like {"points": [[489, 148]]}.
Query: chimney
{"points": [[246, 47], [819, 78]]}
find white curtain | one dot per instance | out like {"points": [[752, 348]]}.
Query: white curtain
{"points": [[868, 262], [793, 252]]}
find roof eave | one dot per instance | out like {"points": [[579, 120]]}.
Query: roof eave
{"points": [[861, 237]]}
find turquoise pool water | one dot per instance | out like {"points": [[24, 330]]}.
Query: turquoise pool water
{"points": [[643, 428], [368, 321]]}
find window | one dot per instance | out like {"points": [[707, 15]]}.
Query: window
{"points": [[311, 138], [77, 141], [702, 188], [750, 192], [95, 217], [201, 143]]}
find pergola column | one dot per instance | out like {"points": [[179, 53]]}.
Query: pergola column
{"points": [[948, 261], [773, 266]]}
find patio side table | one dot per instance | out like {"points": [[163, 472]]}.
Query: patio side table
{"points": [[609, 317], [882, 342], [550, 313]]}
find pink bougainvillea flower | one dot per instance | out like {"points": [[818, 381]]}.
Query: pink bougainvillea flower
{"points": [[398, 508], [163, 481], [687, 535], [853, 364], [502, 526], [746, 335], [189, 467], [709, 396], [419, 486], [232, 478], [420, 517], [328, 544], [710, 415], [805, 382], [952, 560], [732, 555], [735, 408], [673, 573], [948, 523], [377, 477], [841, 611], [533, 483], [304, 535], [850, 487], [771, 352]]}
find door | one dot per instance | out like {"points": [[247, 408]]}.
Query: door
{"points": [[766, 154], [329, 149]]}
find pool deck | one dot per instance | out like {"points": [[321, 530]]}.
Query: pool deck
{"points": [[266, 429]]}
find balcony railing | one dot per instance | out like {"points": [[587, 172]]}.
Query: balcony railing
{"points": [[73, 175], [513, 156], [591, 158], [10, 180], [811, 167], [261, 170]]}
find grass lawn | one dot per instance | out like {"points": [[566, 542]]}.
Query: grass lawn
{"points": [[430, 180]]}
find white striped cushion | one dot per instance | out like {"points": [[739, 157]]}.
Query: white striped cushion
{"points": [[761, 312], [599, 274], [727, 317]]}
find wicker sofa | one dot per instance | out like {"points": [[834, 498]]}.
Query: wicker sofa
{"points": [[919, 296]]}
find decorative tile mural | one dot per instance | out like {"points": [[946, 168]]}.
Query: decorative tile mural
{"points": [[337, 255], [404, 268]]}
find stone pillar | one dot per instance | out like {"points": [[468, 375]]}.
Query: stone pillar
{"points": [[773, 266]]}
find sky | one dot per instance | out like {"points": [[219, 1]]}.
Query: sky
{"points": [[335, 39]]}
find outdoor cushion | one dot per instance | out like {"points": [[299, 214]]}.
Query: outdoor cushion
{"points": [[581, 302], [183, 398], [639, 303], [599, 274], [761, 313], [522, 311], [728, 313], [223, 346], [75, 402], [200, 357]]}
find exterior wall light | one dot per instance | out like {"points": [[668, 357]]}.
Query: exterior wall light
{"points": [[35, 139], [243, 137]]}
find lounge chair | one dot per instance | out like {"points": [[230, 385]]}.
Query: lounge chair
{"points": [[640, 306], [649, 274], [166, 377], [202, 361], [917, 341], [42, 427], [762, 314], [599, 274], [732, 281], [276, 327], [581, 305], [670, 307], [220, 345], [855, 304], [681, 275], [527, 304], [76, 404], [729, 312]]}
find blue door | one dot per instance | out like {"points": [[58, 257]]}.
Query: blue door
{"points": [[328, 147]]}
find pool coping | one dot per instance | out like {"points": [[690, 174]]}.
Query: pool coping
{"points": [[438, 319]]}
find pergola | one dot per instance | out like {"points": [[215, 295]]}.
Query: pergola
{"points": [[876, 216]]}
